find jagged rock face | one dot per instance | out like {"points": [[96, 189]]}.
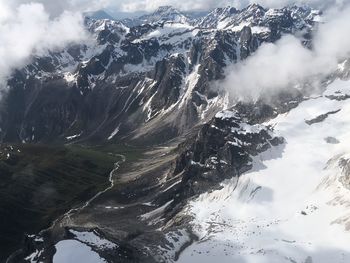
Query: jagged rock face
{"points": [[223, 147], [148, 82], [286, 19], [162, 14]]}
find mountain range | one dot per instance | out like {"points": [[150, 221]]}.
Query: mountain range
{"points": [[198, 175]]}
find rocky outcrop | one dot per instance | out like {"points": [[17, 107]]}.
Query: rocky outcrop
{"points": [[147, 84], [151, 82]]}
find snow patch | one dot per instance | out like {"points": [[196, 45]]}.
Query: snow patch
{"points": [[92, 239], [288, 208], [190, 83], [114, 133], [72, 251], [74, 136]]}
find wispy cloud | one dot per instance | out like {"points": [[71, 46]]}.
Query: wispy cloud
{"points": [[55, 7], [149, 5], [27, 30], [277, 66]]}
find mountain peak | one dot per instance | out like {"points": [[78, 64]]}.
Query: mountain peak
{"points": [[254, 6], [227, 10], [166, 11], [165, 8], [165, 14], [99, 14]]}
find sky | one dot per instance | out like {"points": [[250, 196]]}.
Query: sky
{"points": [[149, 5], [55, 7]]}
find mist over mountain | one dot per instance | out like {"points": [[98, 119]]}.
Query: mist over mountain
{"points": [[100, 14], [154, 131]]}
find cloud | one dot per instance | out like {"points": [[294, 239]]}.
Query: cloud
{"points": [[29, 27], [27, 30], [149, 5], [55, 7], [287, 62]]}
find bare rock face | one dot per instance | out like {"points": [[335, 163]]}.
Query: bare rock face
{"points": [[149, 82], [223, 149], [156, 74]]}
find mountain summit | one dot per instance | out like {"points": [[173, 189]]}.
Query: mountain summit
{"points": [[160, 15]]}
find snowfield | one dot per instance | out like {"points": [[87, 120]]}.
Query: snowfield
{"points": [[80, 249], [72, 251], [294, 205]]}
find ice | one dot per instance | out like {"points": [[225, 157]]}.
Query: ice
{"points": [[292, 206], [72, 251]]}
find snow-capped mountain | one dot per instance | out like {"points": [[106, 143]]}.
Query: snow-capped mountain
{"points": [[286, 20], [217, 178], [278, 214], [160, 15], [158, 73]]}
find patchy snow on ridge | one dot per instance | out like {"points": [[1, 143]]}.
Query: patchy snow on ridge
{"points": [[114, 133], [226, 114], [170, 33], [292, 206], [69, 77], [155, 214], [176, 240], [255, 29], [74, 136], [189, 84]]}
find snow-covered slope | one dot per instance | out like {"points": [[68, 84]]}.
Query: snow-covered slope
{"points": [[157, 73], [293, 206], [160, 15], [282, 164], [287, 19]]}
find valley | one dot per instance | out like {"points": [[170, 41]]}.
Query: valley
{"points": [[181, 137]]}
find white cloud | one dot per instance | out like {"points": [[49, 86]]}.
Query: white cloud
{"points": [[56, 7], [27, 29], [149, 5], [286, 62]]}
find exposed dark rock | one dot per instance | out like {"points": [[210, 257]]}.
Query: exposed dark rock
{"points": [[331, 140], [321, 118], [148, 85]]}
